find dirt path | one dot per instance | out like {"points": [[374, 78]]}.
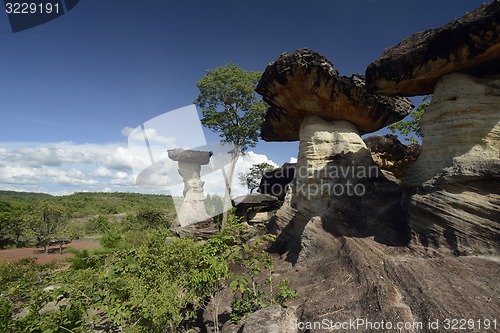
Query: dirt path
{"points": [[43, 258]]}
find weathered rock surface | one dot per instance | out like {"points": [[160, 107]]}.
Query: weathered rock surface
{"points": [[332, 161], [306, 84], [391, 155], [338, 189], [470, 44], [256, 208], [274, 319], [188, 155], [456, 219], [454, 186], [275, 182], [461, 130], [358, 278]]}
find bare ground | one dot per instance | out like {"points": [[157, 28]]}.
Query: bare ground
{"points": [[11, 255]]}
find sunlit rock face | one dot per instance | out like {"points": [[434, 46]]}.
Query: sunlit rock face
{"points": [[457, 176], [461, 130], [332, 160]]}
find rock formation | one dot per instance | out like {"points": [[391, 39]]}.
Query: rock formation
{"points": [[310, 102], [346, 262], [192, 209], [467, 45], [457, 176], [275, 182], [453, 195], [393, 157], [255, 208]]}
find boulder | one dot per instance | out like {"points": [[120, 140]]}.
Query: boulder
{"points": [[273, 319], [470, 44], [275, 182], [391, 155], [191, 156]]}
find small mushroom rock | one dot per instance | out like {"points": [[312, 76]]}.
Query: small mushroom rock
{"points": [[470, 44], [255, 207], [192, 209]]}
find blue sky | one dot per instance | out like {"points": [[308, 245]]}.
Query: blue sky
{"points": [[71, 89]]}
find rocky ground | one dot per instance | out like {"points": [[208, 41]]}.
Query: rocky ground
{"points": [[362, 279]]}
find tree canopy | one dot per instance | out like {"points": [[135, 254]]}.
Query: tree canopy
{"points": [[253, 177], [411, 128], [230, 105]]}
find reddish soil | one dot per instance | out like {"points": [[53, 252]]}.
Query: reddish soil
{"points": [[43, 258]]}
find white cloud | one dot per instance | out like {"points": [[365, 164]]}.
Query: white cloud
{"points": [[102, 172], [293, 160]]}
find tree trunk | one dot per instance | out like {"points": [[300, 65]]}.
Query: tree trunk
{"points": [[228, 180]]}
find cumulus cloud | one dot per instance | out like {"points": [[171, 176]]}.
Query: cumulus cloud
{"points": [[293, 160]]}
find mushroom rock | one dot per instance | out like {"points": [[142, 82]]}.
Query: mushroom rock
{"points": [[470, 44], [393, 157], [457, 176], [192, 209], [453, 197], [255, 207], [335, 172]]}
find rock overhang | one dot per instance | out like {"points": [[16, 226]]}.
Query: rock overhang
{"points": [[305, 83], [470, 44]]}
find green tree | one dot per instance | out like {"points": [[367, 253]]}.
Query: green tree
{"points": [[411, 127], [12, 224], [253, 177], [46, 221], [153, 218], [231, 107]]}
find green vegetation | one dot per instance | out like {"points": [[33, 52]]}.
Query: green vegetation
{"points": [[231, 107], [142, 279], [411, 128], [253, 177], [42, 218]]}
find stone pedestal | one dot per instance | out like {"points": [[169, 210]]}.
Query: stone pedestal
{"points": [[333, 161], [454, 198], [192, 209]]}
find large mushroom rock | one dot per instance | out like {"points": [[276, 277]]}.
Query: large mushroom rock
{"points": [[335, 172], [457, 177], [391, 155], [470, 44], [192, 209]]}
